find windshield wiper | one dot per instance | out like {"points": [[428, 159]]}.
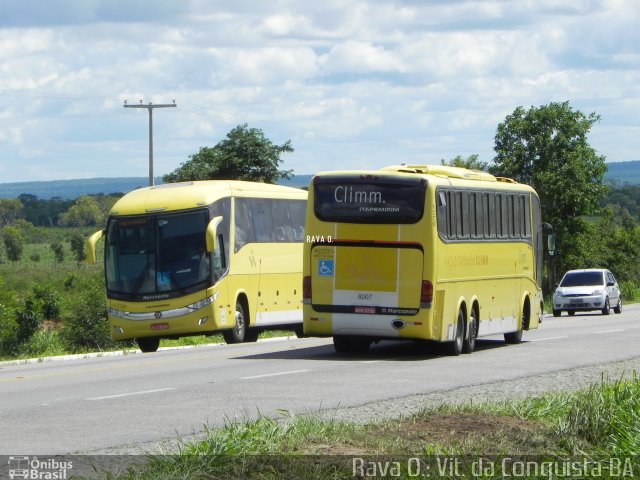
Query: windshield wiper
{"points": [[140, 280]]}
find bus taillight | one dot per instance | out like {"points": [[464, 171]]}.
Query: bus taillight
{"points": [[426, 294], [306, 290]]}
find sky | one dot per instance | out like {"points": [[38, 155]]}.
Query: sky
{"points": [[353, 84]]}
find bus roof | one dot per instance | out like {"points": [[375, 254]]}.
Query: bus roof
{"points": [[169, 197], [438, 171]]}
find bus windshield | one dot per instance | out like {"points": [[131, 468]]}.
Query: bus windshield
{"points": [[367, 199], [157, 254]]}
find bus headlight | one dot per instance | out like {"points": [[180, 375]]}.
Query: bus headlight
{"points": [[203, 303], [116, 313]]}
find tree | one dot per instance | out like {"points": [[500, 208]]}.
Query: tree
{"points": [[547, 148], [84, 212], [245, 154], [58, 251], [10, 210], [77, 242], [471, 162], [13, 243]]}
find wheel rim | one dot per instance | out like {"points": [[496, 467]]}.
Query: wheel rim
{"points": [[473, 328], [239, 321]]}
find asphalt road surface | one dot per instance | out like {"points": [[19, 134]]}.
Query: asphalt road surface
{"points": [[92, 405]]}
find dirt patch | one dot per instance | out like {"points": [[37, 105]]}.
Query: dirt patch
{"points": [[477, 433], [52, 324], [454, 428]]}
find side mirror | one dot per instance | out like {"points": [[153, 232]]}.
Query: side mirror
{"points": [[91, 246], [212, 227], [551, 244]]}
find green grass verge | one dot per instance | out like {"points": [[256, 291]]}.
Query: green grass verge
{"points": [[594, 433]]}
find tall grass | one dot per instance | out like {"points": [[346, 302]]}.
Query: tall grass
{"points": [[602, 421]]}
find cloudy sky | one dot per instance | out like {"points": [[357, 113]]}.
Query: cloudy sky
{"points": [[352, 83]]}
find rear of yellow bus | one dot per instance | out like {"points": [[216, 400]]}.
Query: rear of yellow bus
{"points": [[364, 271]]}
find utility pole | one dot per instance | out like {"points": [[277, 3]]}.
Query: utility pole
{"points": [[150, 106]]}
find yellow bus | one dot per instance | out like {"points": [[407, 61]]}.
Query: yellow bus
{"points": [[196, 258], [421, 252]]}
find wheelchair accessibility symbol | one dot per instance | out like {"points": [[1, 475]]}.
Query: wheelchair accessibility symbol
{"points": [[325, 268]]}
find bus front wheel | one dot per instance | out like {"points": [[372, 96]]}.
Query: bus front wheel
{"points": [[148, 344], [237, 333]]}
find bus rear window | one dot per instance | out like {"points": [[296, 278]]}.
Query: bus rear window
{"points": [[369, 199]]}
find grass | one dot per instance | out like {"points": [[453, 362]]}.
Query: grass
{"points": [[590, 427]]}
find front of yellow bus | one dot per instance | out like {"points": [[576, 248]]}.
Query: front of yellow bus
{"points": [[165, 251]]}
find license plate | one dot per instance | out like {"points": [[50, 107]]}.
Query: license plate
{"points": [[576, 300], [159, 326]]}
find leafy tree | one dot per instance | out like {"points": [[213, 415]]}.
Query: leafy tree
{"points": [[246, 154], [13, 243], [547, 148], [10, 211], [84, 212], [472, 162], [77, 243], [58, 251]]}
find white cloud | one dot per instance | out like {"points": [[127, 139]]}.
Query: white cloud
{"points": [[363, 82]]}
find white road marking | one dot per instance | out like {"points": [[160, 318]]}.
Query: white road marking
{"points": [[610, 331], [290, 372], [120, 395], [548, 338]]}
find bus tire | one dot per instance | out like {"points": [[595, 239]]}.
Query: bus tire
{"points": [[237, 333], [251, 335], [455, 348], [350, 344], [471, 333], [299, 331], [148, 344]]}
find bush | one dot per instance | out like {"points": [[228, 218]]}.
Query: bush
{"points": [[8, 332], [49, 301], [87, 327], [630, 291], [43, 343], [28, 320]]}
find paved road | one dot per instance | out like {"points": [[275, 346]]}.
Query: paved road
{"points": [[96, 404]]}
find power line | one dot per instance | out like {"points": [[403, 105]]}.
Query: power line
{"points": [[150, 106]]}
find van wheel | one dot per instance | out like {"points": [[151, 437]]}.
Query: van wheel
{"points": [[571, 312], [455, 348], [148, 344], [607, 308], [237, 333], [469, 343], [618, 308]]}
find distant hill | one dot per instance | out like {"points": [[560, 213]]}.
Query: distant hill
{"points": [[622, 172]]}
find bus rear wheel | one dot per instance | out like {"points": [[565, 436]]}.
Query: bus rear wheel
{"points": [[455, 348], [469, 344], [148, 344], [237, 333], [350, 344]]}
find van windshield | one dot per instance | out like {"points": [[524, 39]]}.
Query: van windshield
{"points": [[582, 279]]}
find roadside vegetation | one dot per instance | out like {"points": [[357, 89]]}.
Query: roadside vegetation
{"points": [[52, 302], [598, 429]]}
